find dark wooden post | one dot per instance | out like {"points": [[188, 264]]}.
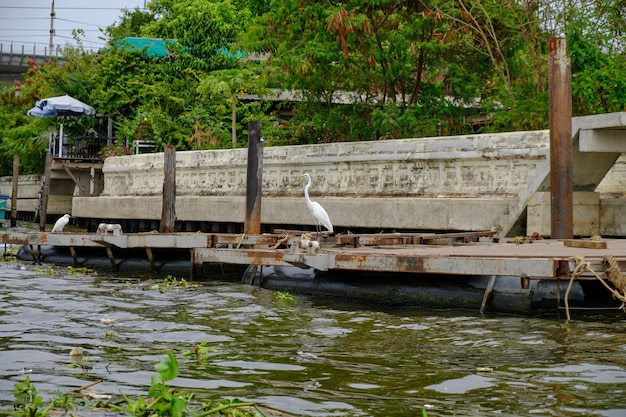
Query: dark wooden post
{"points": [[45, 193], [561, 184], [252, 222], [168, 214], [16, 178]]}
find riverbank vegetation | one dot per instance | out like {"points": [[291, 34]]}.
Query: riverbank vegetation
{"points": [[317, 71], [161, 400]]}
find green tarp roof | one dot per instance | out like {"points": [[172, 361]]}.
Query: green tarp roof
{"points": [[152, 48], [158, 48]]}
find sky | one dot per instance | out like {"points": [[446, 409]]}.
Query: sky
{"points": [[27, 22]]}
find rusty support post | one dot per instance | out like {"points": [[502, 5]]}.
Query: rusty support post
{"points": [[16, 175], [561, 185], [168, 213], [252, 222], [45, 193]]}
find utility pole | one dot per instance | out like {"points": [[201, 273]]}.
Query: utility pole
{"points": [[52, 27]]}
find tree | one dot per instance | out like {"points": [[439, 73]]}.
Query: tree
{"points": [[231, 85], [201, 27]]}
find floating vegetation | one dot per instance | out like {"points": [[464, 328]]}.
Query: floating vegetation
{"points": [[161, 401], [201, 351], [47, 272], [284, 298], [171, 282], [81, 271]]}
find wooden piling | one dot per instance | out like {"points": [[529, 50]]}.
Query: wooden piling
{"points": [[45, 193], [561, 184], [16, 175], [252, 221], [168, 213]]}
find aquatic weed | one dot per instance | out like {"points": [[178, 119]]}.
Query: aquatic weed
{"points": [[161, 401], [201, 351], [27, 401], [284, 298]]}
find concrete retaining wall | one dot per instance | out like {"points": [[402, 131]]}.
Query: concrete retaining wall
{"points": [[476, 182]]}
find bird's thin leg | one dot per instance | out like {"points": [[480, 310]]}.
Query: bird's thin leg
{"points": [[319, 231]]}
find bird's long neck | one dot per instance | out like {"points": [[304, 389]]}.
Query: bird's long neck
{"points": [[306, 188]]}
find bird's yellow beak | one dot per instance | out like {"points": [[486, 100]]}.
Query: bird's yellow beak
{"points": [[301, 175]]}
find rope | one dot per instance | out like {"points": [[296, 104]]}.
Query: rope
{"points": [[280, 241], [614, 275], [581, 267], [243, 235]]}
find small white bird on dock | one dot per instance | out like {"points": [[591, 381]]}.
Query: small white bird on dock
{"points": [[316, 209], [60, 223]]}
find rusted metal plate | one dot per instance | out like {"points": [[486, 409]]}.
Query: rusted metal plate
{"points": [[240, 257], [13, 239], [60, 239], [246, 240], [382, 239], [155, 240], [321, 261], [591, 244]]}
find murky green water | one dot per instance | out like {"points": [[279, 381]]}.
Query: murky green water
{"points": [[313, 358]]}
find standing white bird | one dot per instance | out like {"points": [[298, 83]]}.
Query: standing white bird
{"points": [[60, 223], [316, 209]]}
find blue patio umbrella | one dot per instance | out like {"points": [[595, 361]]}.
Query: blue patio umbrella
{"points": [[60, 106]]}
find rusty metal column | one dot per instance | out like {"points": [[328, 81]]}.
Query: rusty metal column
{"points": [[561, 188], [252, 222]]}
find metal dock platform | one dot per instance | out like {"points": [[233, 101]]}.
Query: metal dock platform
{"points": [[412, 255], [447, 253]]}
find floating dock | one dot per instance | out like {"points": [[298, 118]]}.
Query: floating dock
{"points": [[414, 257]]}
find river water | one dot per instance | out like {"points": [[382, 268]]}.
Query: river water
{"points": [[308, 357]]}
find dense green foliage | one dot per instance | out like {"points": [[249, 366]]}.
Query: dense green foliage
{"points": [[162, 401], [355, 69]]}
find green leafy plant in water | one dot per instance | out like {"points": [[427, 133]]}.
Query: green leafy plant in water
{"points": [[172, 282], [48, 272], [284, 298], [74, 271], [65, 402], [162, 401], [201, 351], [231, 408], [27, 401]]}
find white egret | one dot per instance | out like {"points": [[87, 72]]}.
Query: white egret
{"points": [[316, 209], [60, 223]]}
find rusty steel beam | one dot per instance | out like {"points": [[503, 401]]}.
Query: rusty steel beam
{"points": [[561, 185], [239, 256]]}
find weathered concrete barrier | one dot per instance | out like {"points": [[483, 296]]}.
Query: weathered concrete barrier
{"points": [[475, 182], [27, 193]]}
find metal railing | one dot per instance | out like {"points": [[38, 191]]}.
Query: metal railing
{"points": [[18, 55], [79, 147]]}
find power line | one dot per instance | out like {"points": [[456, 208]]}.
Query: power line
{"points": [[63, 8]]}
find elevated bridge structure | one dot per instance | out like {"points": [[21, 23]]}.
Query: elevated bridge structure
{"points": [[15, 57]]}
